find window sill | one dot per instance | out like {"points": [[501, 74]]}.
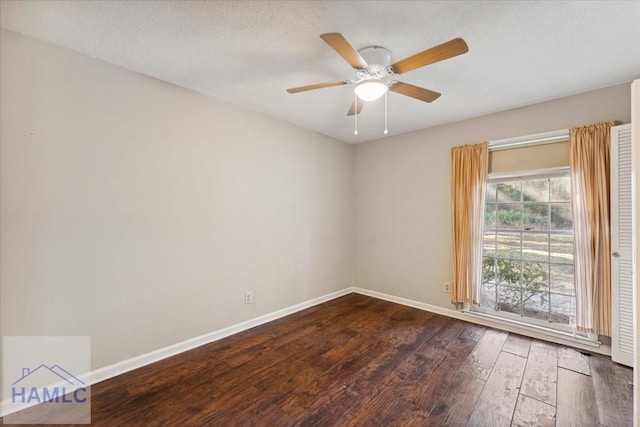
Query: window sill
{"points": [[538, 332]]}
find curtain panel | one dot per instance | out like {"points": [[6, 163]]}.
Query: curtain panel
{"points": [[469, 171], [590, 179]]}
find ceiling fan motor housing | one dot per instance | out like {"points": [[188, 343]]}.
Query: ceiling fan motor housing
{"points": [[379, 60], [376, 55]]}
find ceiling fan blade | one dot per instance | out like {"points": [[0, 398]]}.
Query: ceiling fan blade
{"points": [[416, 92], [438, 53], [317, 86], [352, 110], [344, 49]]}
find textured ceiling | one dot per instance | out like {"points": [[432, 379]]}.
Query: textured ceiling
{"points": [[249, 52]]}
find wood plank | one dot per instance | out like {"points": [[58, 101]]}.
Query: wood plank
{"points": [[457, 404], [431, 387], [333, 410], [177, 369], [244, 409], [473, 332], [378, 407], [613, 385], [391, 394], [540, 376], [572, 359], [497, 402], [430, 353], [483, 357], [577, 405], [449, 330], [532, 412], [328, 388], [384, 366], [517, 344]]}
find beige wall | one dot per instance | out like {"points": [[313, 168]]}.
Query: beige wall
{"points": [[138, 212], [403, 217]]}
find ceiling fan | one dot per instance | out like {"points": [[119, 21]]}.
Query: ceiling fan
{"points": [[374, 71]]}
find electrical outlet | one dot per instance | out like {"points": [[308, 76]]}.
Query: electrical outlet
{"points": [[447, 287], [248, 297]]}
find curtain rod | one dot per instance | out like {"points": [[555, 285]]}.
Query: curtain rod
{"points": [[530, 140]]}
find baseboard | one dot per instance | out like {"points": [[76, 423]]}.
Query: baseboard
{"points": [[496, 323], [136, 362], [411, 303]]}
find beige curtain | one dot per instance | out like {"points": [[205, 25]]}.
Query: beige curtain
{"points": [[469, 170], [589, 146]]}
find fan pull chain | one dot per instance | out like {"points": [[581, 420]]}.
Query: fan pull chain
{"points": [[355, 115], [386, 130]]}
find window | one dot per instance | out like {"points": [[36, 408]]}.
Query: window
{"points": [[528, 247]]}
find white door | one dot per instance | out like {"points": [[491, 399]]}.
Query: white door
{"points": [[621, 246]]}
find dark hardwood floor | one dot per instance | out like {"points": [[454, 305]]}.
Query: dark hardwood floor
{"points": [[357, 360]]}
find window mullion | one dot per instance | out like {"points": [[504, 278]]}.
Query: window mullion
{"points": [[549, 250], [495, 265], [521, 249]]}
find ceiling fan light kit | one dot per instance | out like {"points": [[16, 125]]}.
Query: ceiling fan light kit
{"points": [[373, 66], [370, 90]]}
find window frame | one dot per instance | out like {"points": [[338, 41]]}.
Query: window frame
{"points": [[547, 173]]}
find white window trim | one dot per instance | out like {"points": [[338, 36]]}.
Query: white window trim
{"points": [[534, 330]]}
